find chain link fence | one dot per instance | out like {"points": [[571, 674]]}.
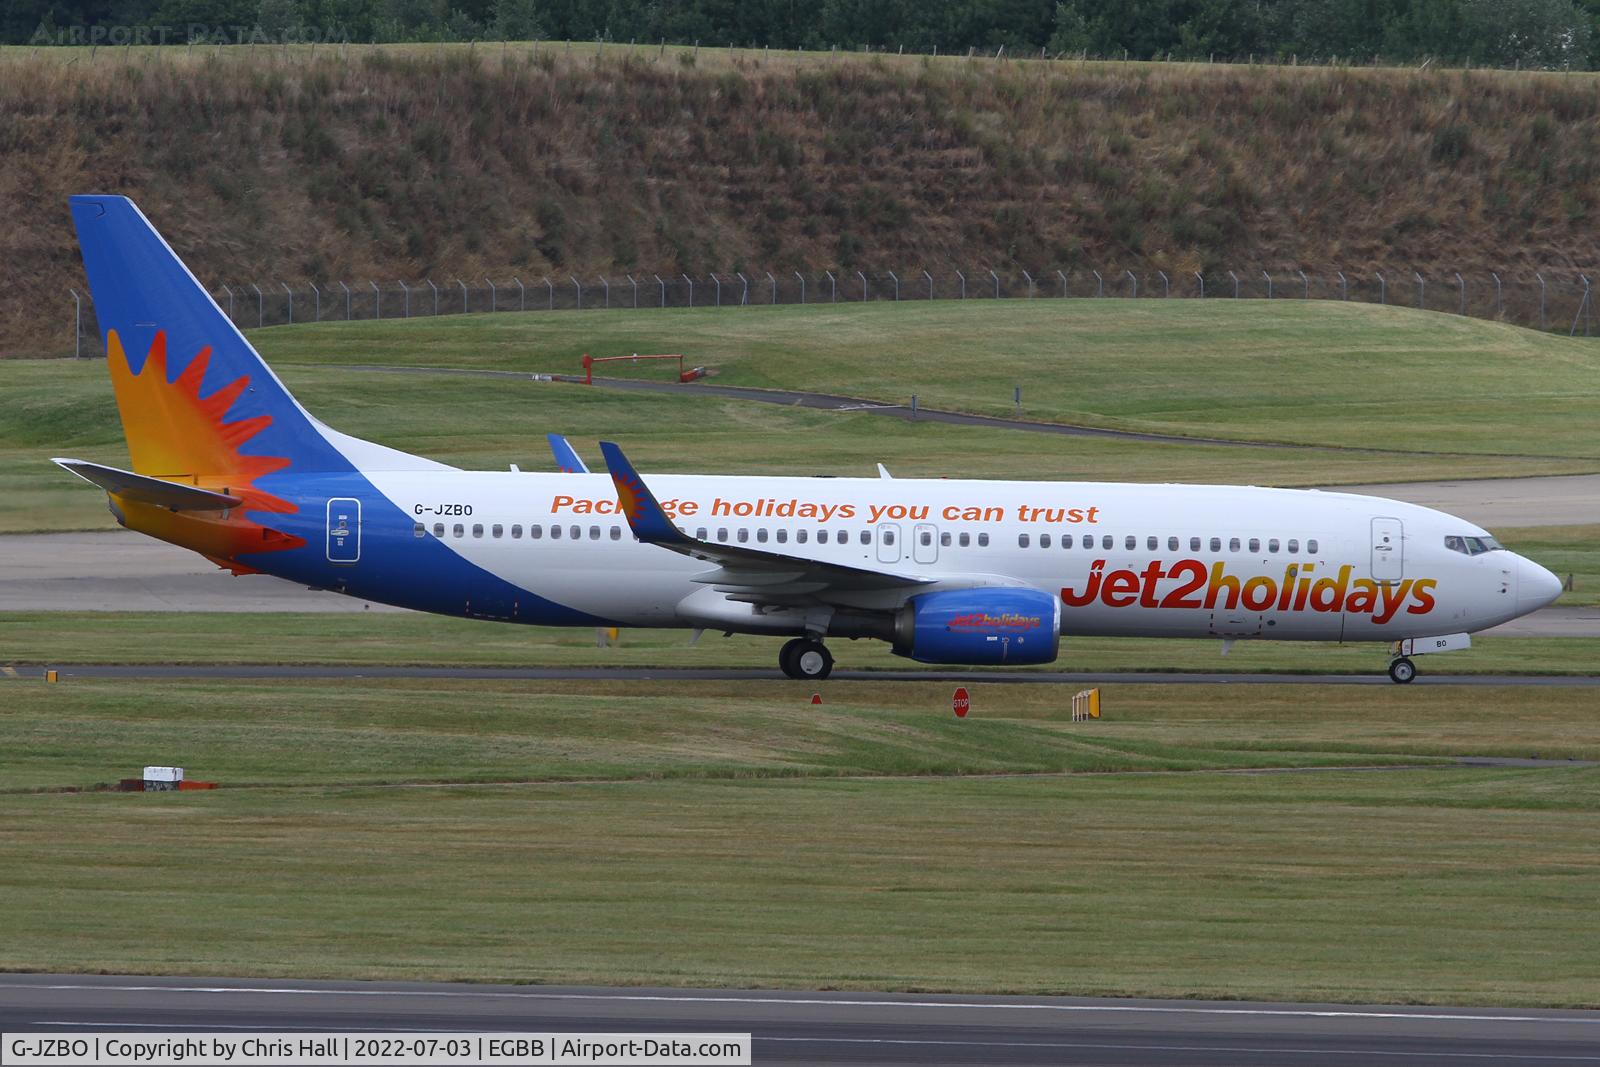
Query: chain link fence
{"points": [[1552, 302]]}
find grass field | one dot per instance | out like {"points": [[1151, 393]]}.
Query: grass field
{"points": [[1460, 394], [745, 838], [414, 639]]}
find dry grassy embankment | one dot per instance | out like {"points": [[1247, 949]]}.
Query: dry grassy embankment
{"points": [[402, 163]]}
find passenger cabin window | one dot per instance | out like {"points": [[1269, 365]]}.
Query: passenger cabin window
{"points": [[1216, 544], [438, 529], [1272, 546], [575, 532], [1044, 540], [594, 533], [1233, 544], [1106, 541], [535, 532], [1130, 542], [1311, 546], [761, 535], [516, 531], [926, 537], [1255, 544], [458, 530], [744, 535], [866, 537], [983, 540], [1294, 545], [497, 530], [555, 533], [419, 530], [888, 535], [1194, 544], [1022, 540], [822, 537], [477, 529], [722, 533], [1152, 543], [944, 539], [1172, 544], [966, 539], [1066, 540], [800, 536], [616, 533], [700, 534], [783, 537]]}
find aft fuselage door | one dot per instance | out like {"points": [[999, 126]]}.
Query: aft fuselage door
{"points": [[344, 530], [1388, 550]]}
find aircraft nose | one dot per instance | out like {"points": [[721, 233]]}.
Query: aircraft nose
{"points": [[1536, 586]]}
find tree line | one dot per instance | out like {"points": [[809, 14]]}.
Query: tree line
{"points": [[1542, 34]]}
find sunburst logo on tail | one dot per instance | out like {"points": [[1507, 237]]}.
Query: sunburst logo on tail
{"points": [[175, 433], [630, 493]]}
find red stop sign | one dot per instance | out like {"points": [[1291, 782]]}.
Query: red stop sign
{"points": [[961, 703]]}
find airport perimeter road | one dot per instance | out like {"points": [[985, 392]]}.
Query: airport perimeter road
{"points": [[120, 571], [808, 1027]]}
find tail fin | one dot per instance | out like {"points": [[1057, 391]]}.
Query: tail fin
{"points": [[197, 401]]}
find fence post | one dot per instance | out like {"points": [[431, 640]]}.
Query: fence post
{"points": [[1583, 311], [1166, 286], [1062, 275], [691, 289], [1307, 283], [579, 287], [744, 294], [1029, 277], [225, 289], [77, 324], [404, 288], [1383, 288], [318, 293], [802, 278], [377, 299], [635, 289], [1344, 287], [291, 302], [522, 292], [928, 276], [549, 293], [606, 283], [663, 285], [1201, 278], [261, 305], [996, 278], [1422, 290], [1499, 309], [963, 278], [718, 283], [1536, 274], [1268, 277], [494, 295], [1135, 280], [1463, 287], [863, 278], [773, 283], [1235, 278], [346, 289], [896, 278], [464, 306], [834, 284]]}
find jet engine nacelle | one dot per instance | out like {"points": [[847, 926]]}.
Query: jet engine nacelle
{"points": [[980, 627]]}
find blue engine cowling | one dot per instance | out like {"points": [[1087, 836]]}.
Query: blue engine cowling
{"points": [[980, 626]]}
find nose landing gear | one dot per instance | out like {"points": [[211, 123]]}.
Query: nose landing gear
{"points": [[805, 659], [1401, 670]]}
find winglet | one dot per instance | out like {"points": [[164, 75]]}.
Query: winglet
{"points": [[645, 516], [567, 458]]}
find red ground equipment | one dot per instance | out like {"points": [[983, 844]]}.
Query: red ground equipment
{"points": [[683, 375]]}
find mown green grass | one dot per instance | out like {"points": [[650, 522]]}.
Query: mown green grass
{"points": [[1442, 886], [415, 639], [1286, 371], [729, 834], [1347, 375]]}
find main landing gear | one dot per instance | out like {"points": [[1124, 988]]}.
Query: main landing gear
{"points": [[805, 659], [1401, 670]]}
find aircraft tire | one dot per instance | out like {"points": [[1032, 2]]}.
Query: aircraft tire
{"points": [[1402, 670], [812, 661], [787, 655]]}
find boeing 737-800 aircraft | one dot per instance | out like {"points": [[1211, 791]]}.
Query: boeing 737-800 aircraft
{"points": [[227, 463]]}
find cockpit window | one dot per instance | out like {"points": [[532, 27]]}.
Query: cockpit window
{"points": [[1471, 546]]}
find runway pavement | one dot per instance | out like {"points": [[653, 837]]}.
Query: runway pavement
{"points": [[738, 674], [825, 1027], [116, 570]]}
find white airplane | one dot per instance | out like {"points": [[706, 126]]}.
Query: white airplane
{"points": [[227, 463]]}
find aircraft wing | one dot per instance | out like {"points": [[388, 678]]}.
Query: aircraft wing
{"points": [[755, 575], [567, 458], [149, 490]]}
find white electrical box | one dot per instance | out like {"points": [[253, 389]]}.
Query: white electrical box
{"points": [[163, 774]]}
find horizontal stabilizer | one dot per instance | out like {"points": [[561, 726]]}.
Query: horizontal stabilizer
{"points": [[148, 490]]}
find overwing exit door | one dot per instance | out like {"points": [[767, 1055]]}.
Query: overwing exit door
{"points": [[1388, 550], [344, 530], [925, 543]]}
